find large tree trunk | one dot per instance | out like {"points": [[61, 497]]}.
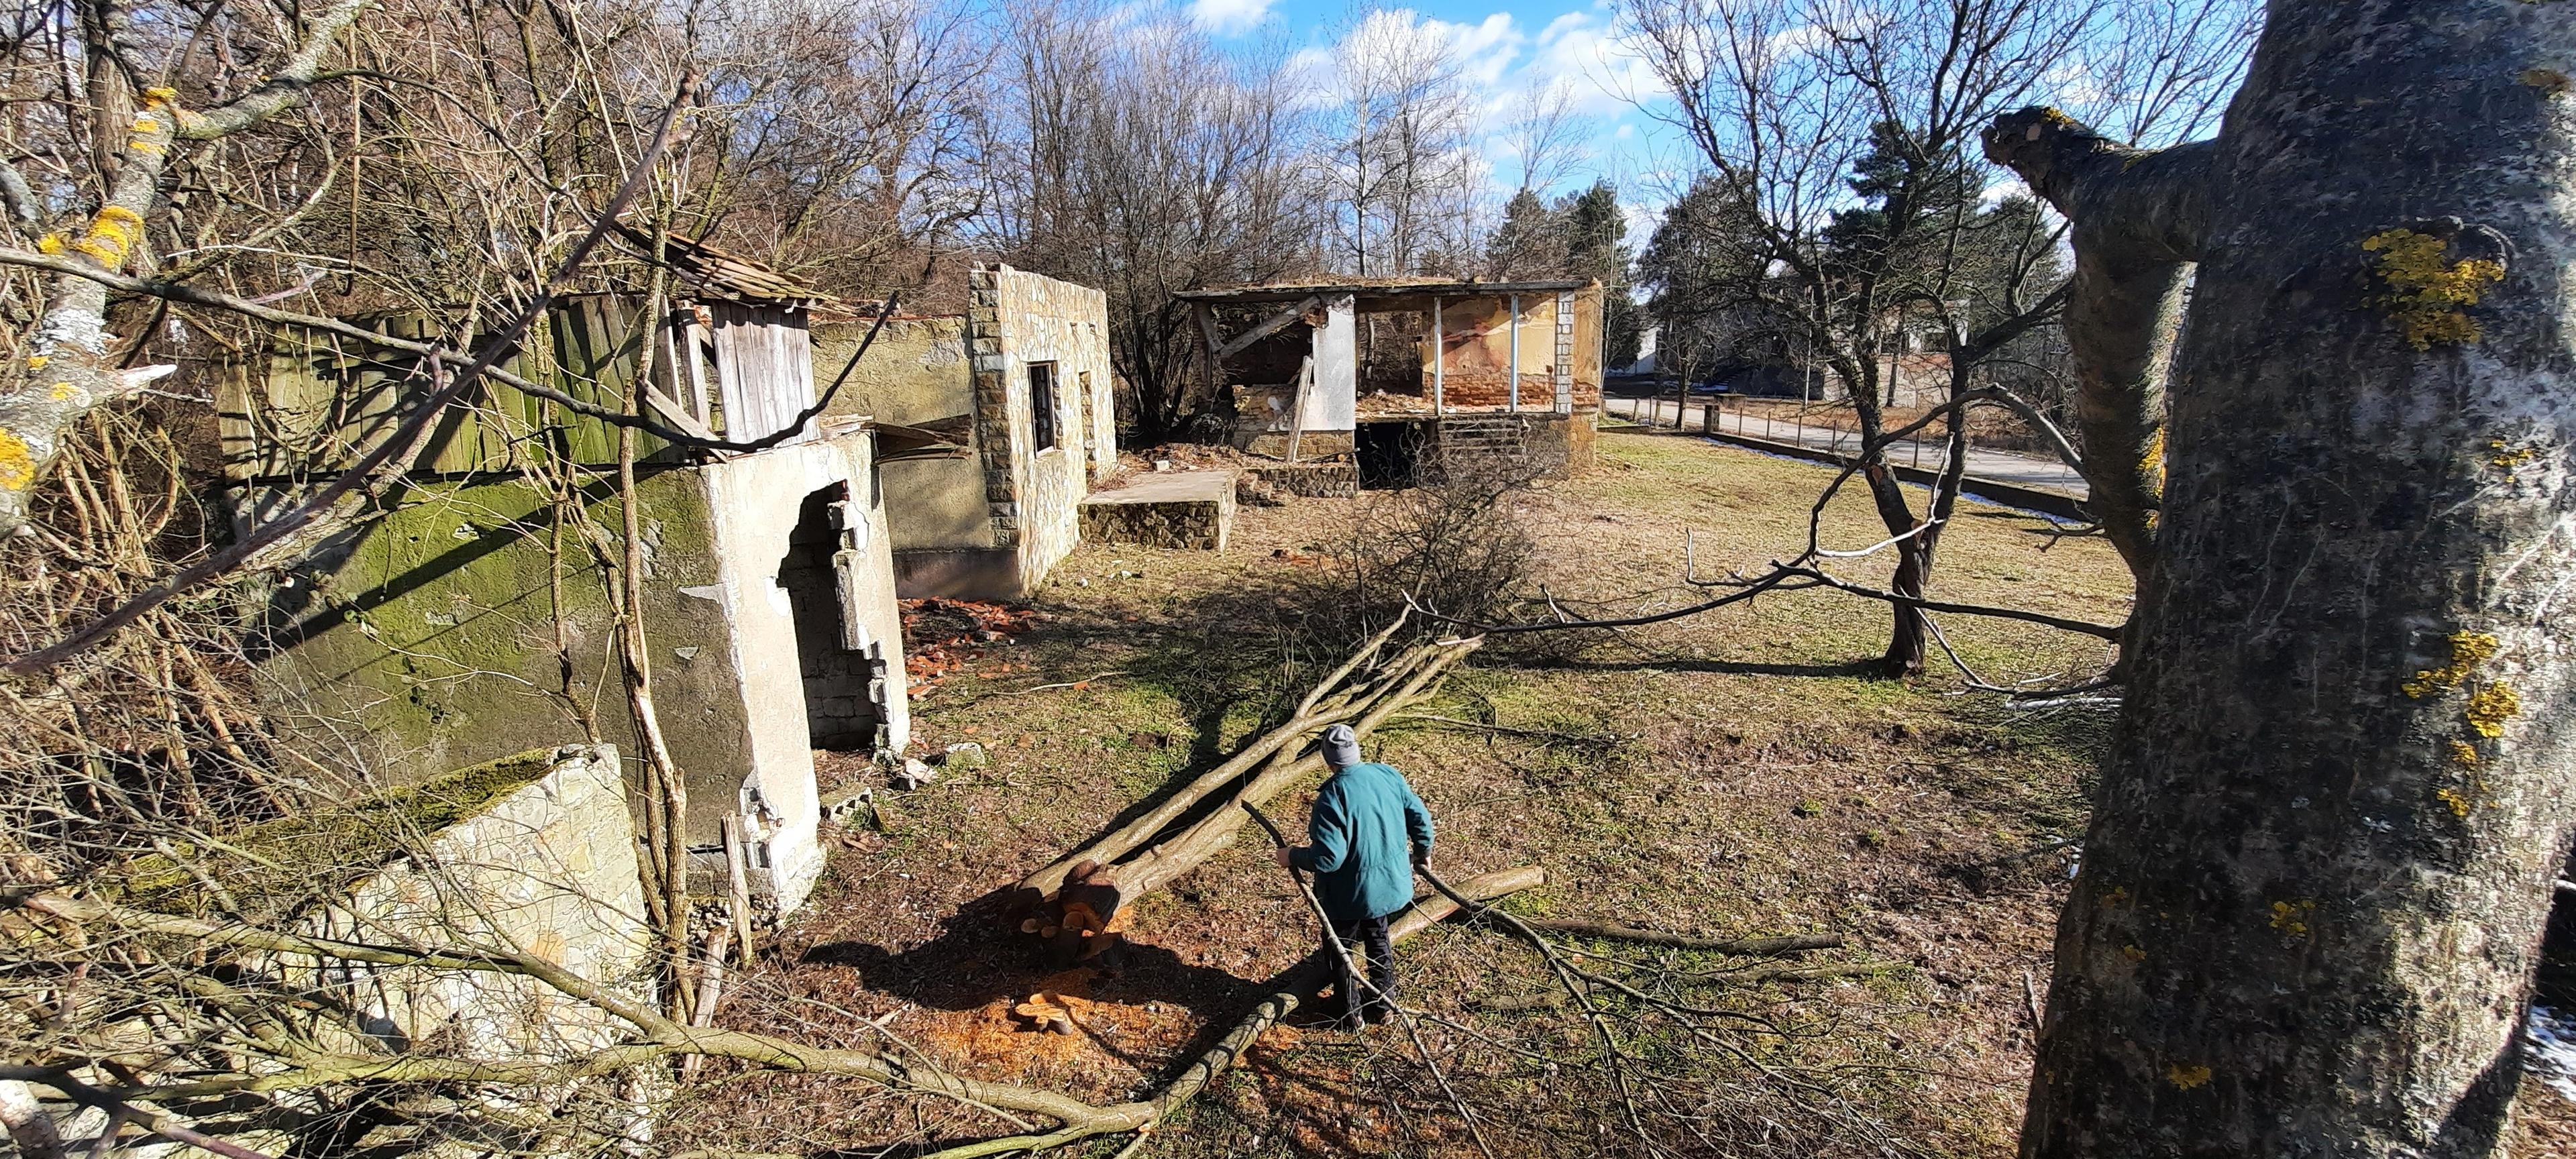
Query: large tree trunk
{"points": [[2314, 886]]}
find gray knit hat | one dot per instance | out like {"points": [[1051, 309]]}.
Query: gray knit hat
{"points": [[1341, 746]]}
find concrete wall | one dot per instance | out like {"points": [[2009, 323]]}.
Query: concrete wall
{"points": [[991, 525], [548, 869], [756, 501], [428, 640], [1331, 405], [916, 374]]}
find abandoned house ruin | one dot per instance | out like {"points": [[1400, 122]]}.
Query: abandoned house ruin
{"points": [[1406, 378], [470, 621], [1020, 385]]}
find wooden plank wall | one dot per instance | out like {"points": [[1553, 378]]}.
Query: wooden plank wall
{"points": [[764, 368]]}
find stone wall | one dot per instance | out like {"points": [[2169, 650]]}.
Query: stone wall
{"points": [[1551, 446], [1191, 525], [1014, 319], [1312, 480]]}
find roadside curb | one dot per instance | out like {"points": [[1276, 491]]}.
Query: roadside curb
{"points": [[2057, 504]]}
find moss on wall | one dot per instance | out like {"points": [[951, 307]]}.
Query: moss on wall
{"points": [[429, 641], [272, 868], [917, 372]]}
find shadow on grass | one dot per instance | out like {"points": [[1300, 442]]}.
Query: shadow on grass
{"points": [[1844, 669]]}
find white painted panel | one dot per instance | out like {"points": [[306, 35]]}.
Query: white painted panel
{"points": [[1334, 403]]}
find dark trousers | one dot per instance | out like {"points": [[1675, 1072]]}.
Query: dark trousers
{"points": [[1370, 947]]}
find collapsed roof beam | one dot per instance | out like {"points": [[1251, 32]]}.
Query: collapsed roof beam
{"points": [[1269, 326]]}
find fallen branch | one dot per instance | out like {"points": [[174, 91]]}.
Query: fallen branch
{"points": [[1748, 947], [665, 1038]]}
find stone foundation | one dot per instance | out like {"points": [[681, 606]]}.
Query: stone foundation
{"points": [[1191, 510], [1312, 480]]}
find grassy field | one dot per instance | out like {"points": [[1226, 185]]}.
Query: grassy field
{"points": [[1733, 773]]}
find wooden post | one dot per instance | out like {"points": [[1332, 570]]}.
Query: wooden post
{"points": [[1516, 354], [1439, 371], [738, 882], [1297, 408]]}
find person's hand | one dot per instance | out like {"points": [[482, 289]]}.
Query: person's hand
{"points": [[1280, 855], [1421, 857]]}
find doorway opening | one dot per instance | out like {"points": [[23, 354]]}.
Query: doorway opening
{"points": [[844, 671], [1390, 452]]}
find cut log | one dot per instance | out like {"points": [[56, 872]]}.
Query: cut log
{"points": [[1088, 889], [1166, 861], [1333, 700]]}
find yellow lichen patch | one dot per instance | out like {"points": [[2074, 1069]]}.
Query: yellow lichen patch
{"points": [[2187, 1077], [65, 392], [2463, 753], [2549, 81], [17, 466], [2426, 290], [2468, 650], [2457, 800], [51, 243], [37, 361], [2057, 116], [2154, 458], [158, 96], [2490, 707], [2509, 456], [2134, 953], [111, 236], [2289, 917]]}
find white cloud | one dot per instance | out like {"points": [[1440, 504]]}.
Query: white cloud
{"points": [[1582, 53], [1229, 17]]}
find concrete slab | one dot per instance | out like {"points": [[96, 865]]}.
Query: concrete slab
{"points": [[1178, 509], [1168, 487]]}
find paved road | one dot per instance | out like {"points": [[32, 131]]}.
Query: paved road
{"points": [[2003, 466]]}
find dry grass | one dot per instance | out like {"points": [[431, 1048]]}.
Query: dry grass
{"points": [[1729, 774]]}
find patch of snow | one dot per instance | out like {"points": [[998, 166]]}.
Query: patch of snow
{"points": [[2552, 1036]]}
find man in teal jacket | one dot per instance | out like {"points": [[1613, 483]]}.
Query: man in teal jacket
{"points": [[1365, 836]]}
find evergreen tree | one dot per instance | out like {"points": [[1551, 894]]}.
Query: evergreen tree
{"points": [[1597, 233]]}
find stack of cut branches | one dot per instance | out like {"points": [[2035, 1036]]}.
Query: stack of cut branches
{"points": [[1074, 903]]}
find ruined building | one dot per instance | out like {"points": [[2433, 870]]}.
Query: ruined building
{"points": [[471, 621], [1408, 377], [1020, 385]]}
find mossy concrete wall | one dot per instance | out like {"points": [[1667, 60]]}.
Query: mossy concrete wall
{"points": [[448, 633], [916, 374], [548, 868]]}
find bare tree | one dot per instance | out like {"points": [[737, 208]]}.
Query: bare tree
{"points": [[1399, 166], [1801, 109], [1143, 160]]}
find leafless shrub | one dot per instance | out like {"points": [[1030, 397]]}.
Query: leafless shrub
{"points": [[1458, 542]]}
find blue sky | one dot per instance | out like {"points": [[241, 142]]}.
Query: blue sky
{"points": [[1504, 49]]}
